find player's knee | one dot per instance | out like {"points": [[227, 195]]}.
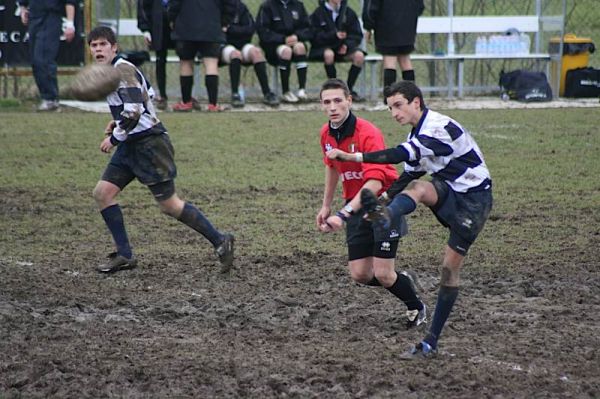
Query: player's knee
{"points": [[358, 58], [169, 208], [300, 49], [328, 57], [385, 277], [360, 276], [449, 276], [236, 55]]}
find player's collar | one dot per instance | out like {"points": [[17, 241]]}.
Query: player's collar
{"points": [[346, 129]]}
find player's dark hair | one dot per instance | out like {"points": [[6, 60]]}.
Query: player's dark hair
{"points": [[102, 32], [407, 88], [332, 84]]}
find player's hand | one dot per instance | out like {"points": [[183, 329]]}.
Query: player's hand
{"points": [[335, 223], [148, 38], [322, 219], [110, 127], [368, 36], [106, 146], [341, 35], [338, 154], [24, 15], [291, 40]]}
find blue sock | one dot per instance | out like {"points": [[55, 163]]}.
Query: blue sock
{"points": [[113, 217], [402, 204], [443, 307], [192, 217]]}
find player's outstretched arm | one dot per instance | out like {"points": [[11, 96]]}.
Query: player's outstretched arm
{"points": [[389, 155]]}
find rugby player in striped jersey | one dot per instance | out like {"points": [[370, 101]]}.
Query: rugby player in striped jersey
{"points": [[143, 152], [459, 193]]}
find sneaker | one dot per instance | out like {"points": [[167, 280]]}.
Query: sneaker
{"points": [[289, 97], [117, 263], [183, 107], [196, 104], [422, 350], [225, 252], [302, 96], [237, 101], [161, 103], [48, 105], [357, 98], [374, 211], [216, 108], [271, 99]]}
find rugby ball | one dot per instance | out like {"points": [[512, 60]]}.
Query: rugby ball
{"points": [[94, 82]]}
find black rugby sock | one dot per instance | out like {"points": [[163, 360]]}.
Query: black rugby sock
{"points": [[161, 72], [192, 217], [445, 302], [389, 77], [331, 71], [301, 70], [404, 291], [284, 73], [261, 73], [353, 75], [212, 87], [408, 75], [113, 217], [235, 70], [186, 83]]}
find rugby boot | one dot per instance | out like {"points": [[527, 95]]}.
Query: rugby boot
{"points": [[302, 96], [117, 263], [183, 107], [422, 350], [374, 211], [225, 252], [271, 99], [237, 101]]}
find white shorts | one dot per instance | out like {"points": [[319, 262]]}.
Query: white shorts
{"points": [[229, 49]]}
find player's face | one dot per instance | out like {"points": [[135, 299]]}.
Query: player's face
{"points": [[335, 104], [335, 3], [403, 112], [103, 51]]}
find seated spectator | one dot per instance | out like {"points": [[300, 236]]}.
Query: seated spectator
{"points": [[239, 50], [336, 36], [283, 27]]}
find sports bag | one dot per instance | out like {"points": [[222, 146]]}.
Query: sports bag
{"points": [[525, 86], [582, 82]]}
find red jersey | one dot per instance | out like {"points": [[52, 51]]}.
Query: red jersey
{"points": [[366, 138]]}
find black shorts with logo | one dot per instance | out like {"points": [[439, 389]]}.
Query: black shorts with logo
{"points": [[365, 240], [150, 159], [463, 213]]}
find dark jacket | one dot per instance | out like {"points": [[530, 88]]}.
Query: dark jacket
{"points": [[324, 29], [394, 21], [278, 19], [242, 27], [151, 18], [42, 7], [200, 20]]}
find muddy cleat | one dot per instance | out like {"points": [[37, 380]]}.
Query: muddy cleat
{"points": [[117, 263], [196, 104], [416, 317], [161, 103], [225, 252], [289, 97], [183, 107], [237, 101], [375, 212], [271, 100], [302, 96], [422, 350]]}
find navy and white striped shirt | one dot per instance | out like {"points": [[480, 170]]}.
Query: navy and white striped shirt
{"points": [[442, 148], [133, 101]]}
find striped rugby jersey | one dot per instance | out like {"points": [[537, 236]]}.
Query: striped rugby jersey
{"points": [[441, 147], [133, 101]]}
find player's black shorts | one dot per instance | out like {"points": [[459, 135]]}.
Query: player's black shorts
{"points": [[150, 159], [395, 50], [187, 50], [463, 213], [365, 240]]}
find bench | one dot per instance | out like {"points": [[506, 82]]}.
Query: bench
{"points": [[451, 25], [446, 25]]}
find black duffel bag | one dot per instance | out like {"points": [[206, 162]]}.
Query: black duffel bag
{"points": [[525, 86], [582, 83]]}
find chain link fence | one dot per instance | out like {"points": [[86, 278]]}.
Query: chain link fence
{"points": [[582, 19]]}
